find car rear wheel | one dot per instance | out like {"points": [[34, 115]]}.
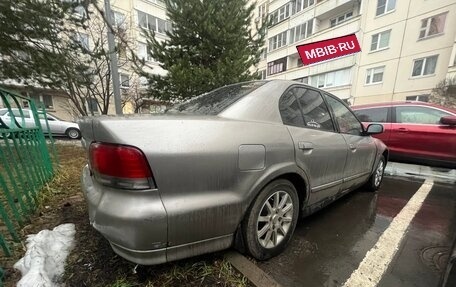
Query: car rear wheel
{"points": [[375, 181], [73, 133], [271, 220]]}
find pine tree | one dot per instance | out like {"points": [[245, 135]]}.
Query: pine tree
{"points": [[211, 44], [30, 31]]}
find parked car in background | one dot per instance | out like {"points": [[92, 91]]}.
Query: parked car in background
{"points": [[415, 131], [237, 165], [57, 126]]}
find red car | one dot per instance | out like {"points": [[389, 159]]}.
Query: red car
{"points": [[415, 131]]}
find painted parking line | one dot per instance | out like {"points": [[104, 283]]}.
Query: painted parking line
{"points": [[377, 260]]}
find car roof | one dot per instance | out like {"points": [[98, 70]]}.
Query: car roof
{"points": [[402, 103]]}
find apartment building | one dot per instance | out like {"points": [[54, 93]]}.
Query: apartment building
{"points": [[129, 17], [408, 46]]}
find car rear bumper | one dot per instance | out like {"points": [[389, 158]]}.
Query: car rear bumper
{"points": [[134, 222], [143, 257]]}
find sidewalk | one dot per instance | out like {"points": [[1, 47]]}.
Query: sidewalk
{"points": [[419, 171]]}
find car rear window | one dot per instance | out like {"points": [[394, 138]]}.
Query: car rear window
{"points": [[214, 102], [378, 115]]}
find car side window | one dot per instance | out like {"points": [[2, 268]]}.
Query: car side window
{"points": [[17, 114], [348, 123], [314, 109], [377, 115], [418, 115], [290, 110]]}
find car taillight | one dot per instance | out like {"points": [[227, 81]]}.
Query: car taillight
{"points": [[120, 166]]}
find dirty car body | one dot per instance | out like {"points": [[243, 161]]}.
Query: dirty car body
{"points": [[234, 166]]}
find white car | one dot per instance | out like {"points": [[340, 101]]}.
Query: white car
{"points": [[56, 125]]}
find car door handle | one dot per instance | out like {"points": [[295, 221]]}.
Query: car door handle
{"points": [[402, 130], [305, 145], [352, 147]]}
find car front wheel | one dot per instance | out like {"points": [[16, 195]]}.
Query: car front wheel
{"points": [[375, 181], [271, 220], [73, 133]]}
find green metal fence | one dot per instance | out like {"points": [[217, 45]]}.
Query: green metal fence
{"points": [[26, 163]]}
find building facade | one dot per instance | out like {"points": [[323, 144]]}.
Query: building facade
{"points": [[407, 46], [129, 17]]}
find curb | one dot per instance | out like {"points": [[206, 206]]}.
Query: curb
{"points": [[253, 273], [413, 170]]}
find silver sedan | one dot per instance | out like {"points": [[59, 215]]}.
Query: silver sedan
{"points": [[57, 126], [234, 167]]}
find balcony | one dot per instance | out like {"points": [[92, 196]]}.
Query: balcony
{"points": [[328, 8], [350, 27]]}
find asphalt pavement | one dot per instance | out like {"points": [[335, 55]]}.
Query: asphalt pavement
{"points": [[399, 236]]}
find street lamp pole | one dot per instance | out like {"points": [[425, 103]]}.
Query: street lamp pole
{"points": [[113, 58]]}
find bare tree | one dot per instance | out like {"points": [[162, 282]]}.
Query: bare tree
{"points": [[444, 93], [135, 97], [88, 78]]}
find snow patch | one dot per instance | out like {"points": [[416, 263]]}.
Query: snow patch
{"points": [[44, 260]]}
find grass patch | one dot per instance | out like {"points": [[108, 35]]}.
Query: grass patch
{"points": [[92, 262]]}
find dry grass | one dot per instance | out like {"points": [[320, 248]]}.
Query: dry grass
{"points": [[92, 262]]}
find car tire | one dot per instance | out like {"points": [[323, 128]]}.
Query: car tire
{"points": [[271, 220], [73, 133], [375, 180]]}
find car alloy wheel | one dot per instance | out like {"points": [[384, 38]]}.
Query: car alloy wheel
{"points": [[271, 219], [274, 219], [73, 133], [375, 181], [379, 173]]}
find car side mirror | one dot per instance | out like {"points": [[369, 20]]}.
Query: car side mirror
{"points": [[448, 120], [373, 129]]}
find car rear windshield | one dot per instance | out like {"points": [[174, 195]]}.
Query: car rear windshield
{"points": [[214, 102]]}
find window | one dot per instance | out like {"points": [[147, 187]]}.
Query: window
{"points": [[278, 41], [280, 14], [263, 54], [299, 5], [48, 102], [17, 113], [92, 105], [303, 107], [331, 79], [374, 75], [118, 20], [420, 98], [153, 23], [80, 11], [36, 98], [380, 40], [384, 6], [290, 110], [121, 50], [314, 110], [432, 26], [83, 40], [277, 66], [346, 120], [340, 19], [301, 31], [419, 115], [262, 74], [377, 115], [424, 66], [262, 10], [304, 80], [143, 53], [124, 81], [216, 101], [143, 81]]}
